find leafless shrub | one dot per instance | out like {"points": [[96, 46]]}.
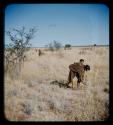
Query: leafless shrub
{"points": [[54, 46], [15, 51]]}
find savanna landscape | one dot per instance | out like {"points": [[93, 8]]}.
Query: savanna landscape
{"points": [[39, 93]]}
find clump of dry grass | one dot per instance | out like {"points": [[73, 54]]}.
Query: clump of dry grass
{"points": [[106, 90], [33, 97]]}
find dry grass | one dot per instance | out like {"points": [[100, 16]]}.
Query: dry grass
{"points": [[33, 98]]}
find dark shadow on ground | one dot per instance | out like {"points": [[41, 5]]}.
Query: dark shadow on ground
{"points": [[62, 83]]}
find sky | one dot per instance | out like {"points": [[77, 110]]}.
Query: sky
{"points": [[75, 24]]}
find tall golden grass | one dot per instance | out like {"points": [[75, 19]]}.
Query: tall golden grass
{"points": [[33, 98]]}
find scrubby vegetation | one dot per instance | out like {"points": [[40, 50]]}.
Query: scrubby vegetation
{"points": [[40, 93], [15, 51]]}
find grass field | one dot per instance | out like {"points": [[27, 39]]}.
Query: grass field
{"points": [[36, 97]]}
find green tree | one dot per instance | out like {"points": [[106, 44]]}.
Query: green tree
{"points": [[67, 46]]}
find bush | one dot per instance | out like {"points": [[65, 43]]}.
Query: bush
{"points": [[15, 51], [54, 46], [51, 47], [67, 46], [57, 45]]}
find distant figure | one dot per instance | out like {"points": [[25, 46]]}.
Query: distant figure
{"points": [[39, 52], [78, 70]]}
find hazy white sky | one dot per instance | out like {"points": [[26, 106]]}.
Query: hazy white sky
{"points": [[76, 24]]}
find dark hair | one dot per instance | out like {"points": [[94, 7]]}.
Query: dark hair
{"points": [[81, 60], [86, 67]]}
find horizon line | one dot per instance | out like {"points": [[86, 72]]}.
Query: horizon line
{"points": [[73, 46]]}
